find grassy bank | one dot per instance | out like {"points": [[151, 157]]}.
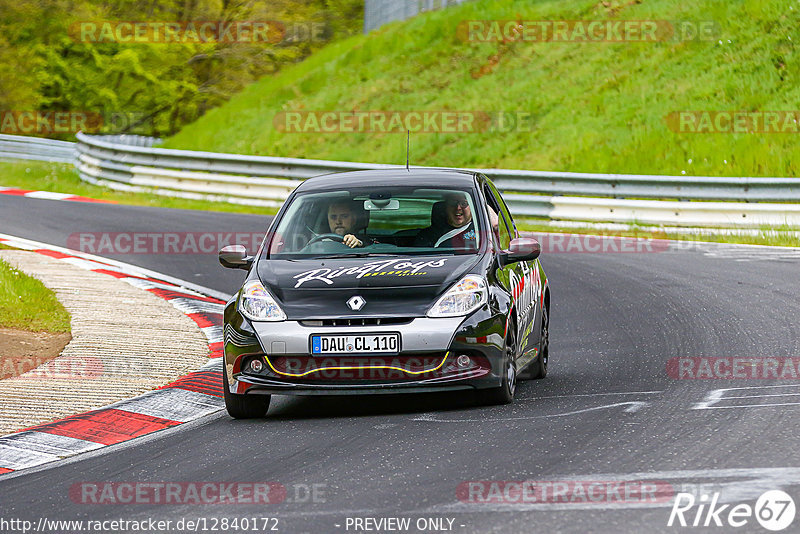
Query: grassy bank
{"points": [[594, 106], [26, 304]]}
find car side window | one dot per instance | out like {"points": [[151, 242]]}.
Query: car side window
{"points": [[501, 231], [512, 228], [506, 227]]}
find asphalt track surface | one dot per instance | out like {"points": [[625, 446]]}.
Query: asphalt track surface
{"points": [[608, 411]]}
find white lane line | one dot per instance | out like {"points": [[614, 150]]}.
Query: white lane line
{"points": [[174, 404], [591, 395], [746, 255], [774, 386], [762, 396], [632, 407], [766, 405], [717, 396], [712, 397]]}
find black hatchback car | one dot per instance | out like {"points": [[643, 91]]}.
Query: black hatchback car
{"points": [[386, 281]]}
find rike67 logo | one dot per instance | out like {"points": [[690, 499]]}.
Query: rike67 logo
{"points": [[774, 510]]}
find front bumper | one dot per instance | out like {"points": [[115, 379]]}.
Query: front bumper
{"points": [[427, 361], [419, 335]]}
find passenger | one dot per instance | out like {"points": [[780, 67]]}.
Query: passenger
{"points": [[457, 230]]}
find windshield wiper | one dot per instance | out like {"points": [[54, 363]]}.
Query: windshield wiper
{"points": [[354, 255]]}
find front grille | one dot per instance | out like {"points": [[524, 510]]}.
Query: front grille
{"points": [[368, 321]]}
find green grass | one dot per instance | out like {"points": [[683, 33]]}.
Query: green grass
{"points": [[26, 304], [596, 107], [62, 178]]}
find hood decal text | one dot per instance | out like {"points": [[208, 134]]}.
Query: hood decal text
{"points": [[373, 268]]}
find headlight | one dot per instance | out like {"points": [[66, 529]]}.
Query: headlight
{"points": [[257, 304], [464, 297]]}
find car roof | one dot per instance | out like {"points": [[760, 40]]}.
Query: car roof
{"points": [[382, 177]]}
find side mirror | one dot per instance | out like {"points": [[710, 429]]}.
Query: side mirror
{"points": [[523, 249], [235, 257]]}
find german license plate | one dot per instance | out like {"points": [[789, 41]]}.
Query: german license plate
{"points": [[374, 343]]}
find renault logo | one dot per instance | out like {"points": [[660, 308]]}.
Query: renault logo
{"points": [[356, 303]]}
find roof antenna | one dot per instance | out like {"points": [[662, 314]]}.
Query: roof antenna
{"points": [[408, 151]]}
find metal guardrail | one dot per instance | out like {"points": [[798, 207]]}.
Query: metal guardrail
{"points": [[727, 189], [252, 180], [36, 148], [128, 140], [132, 163]]}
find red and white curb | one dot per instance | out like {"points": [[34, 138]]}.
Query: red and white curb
{"points": [[190, 397], [49, 195]]}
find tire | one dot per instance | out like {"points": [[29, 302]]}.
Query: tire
{"points": [[243, 406], [538, 369], [504, 394]]}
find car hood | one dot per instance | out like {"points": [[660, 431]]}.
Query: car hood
{"points": [[391, 287]]}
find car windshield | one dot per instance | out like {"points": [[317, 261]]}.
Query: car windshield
{"points": [[380, 221]]}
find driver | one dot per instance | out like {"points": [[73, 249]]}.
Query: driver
{"points": [[343, 220], [458, 230]]}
